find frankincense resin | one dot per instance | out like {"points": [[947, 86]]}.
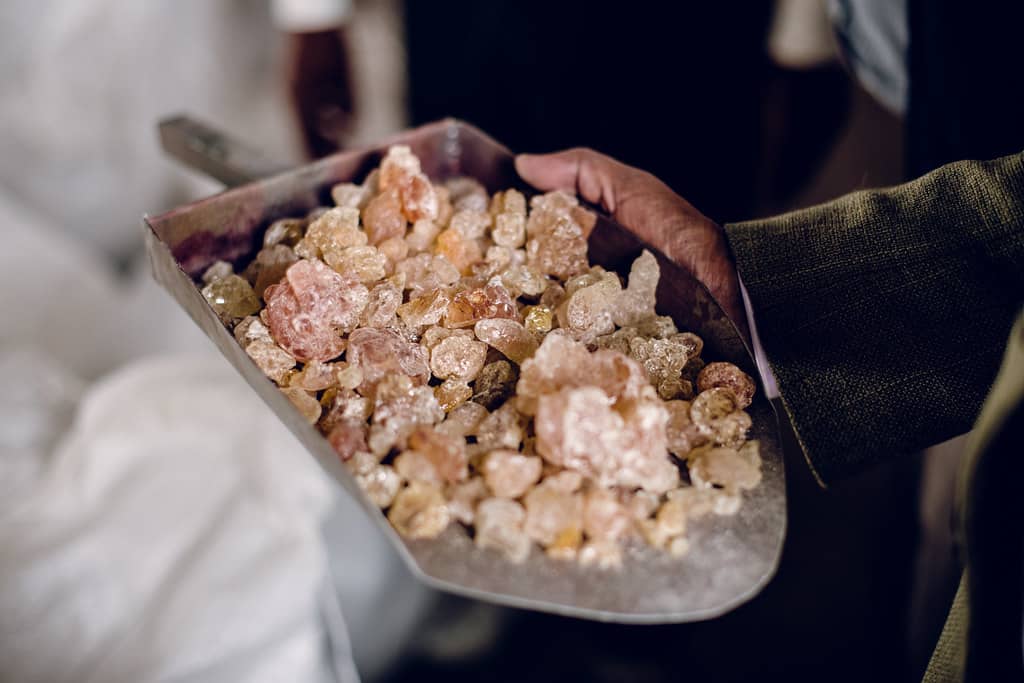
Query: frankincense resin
{"points": [[470, 367]]}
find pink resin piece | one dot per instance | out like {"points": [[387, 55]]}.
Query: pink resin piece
{"points": [[579, 429], [510, 474], [348, 437], [558, 362], [384, 300], [381, 484], [499, 525], [419, 511], [316, 376], [489, 301], [551, 513], [566, 481], [460, 251], [463, 419], [400, 171], [604, 516], [470, 224], [270, 265], [637, 301], [463, 498], [379, 352], [447, 453], [399, 408], [459, 358], [560, 248], [425, 310], [729, 376], [562, 362], [507, 336], [416, 466], [587, 312], [419, 202], [345, 406], [427, 272], [500, 429], [620, 377], [383, 217], [397, 166], [309, 311], [467, 194], [725, 467], [680, 432]]}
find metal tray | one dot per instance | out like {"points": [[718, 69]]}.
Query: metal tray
{"points": [[730, 558]]}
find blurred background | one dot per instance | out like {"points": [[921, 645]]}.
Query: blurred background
{"points": [[240, 561]]}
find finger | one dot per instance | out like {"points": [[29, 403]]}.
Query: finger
{"points": [[595, 177]]}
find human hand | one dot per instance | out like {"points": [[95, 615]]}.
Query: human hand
{"points": [[320, 87], [648, 208]]}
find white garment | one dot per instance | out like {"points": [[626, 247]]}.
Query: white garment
{"points": [[310, 15], [82, 85], [139, 564], [174, 534], [800, 36], [873, 36]]}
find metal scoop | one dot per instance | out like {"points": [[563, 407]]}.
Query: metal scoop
{"points": [[730, 558]]}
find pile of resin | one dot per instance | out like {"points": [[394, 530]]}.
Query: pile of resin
{"points": [[469, 366]]}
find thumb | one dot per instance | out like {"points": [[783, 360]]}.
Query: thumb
{"points": [[595, 177], [647, 207]]}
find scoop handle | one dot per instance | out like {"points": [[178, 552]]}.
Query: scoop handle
{"points": [[214, 153]]}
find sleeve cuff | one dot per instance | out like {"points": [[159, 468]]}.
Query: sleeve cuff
{"points": [[771, 389], [301, 16]]}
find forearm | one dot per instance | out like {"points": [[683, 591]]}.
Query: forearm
{"points": [[883, 314], [317, 70]]}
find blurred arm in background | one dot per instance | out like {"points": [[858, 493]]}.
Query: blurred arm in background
{"points": [[806, 100], [318, 70]]}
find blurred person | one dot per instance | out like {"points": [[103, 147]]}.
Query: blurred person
{"points": [[155, 521], [872, 353]]}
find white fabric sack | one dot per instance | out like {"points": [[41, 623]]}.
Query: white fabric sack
{"points": [[196, 557]]}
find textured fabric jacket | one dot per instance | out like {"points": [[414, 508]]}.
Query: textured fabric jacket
{"points": [[885, 316]]}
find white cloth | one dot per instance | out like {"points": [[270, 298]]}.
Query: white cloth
{"points": [[59, 298], [310, 15], [83, 84], [873, 36], [67, 322], [196, 557], [158, 540], [800, 35]]}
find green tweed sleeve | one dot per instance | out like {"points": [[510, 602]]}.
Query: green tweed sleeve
{"points": [[884, 313]]}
